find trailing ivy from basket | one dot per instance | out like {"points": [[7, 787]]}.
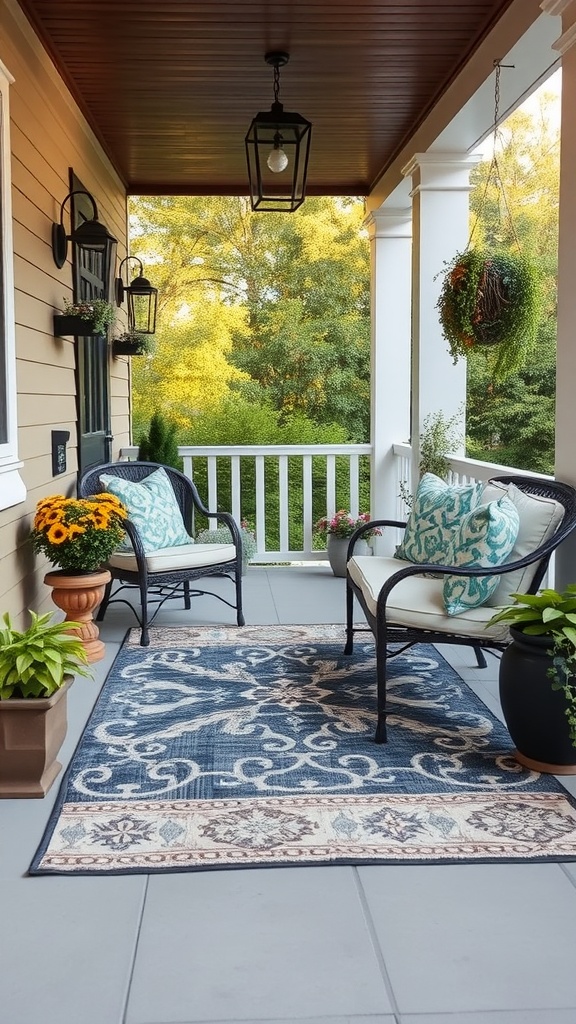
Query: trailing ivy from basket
{"points": [[490, 299]]}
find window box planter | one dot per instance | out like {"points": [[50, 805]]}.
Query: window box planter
{"points": [[74, 326], [124, 347]]}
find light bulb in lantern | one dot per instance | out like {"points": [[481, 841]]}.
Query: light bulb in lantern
{"points": [[277, 160]]}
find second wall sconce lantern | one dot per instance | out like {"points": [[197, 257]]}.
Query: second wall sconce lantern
{"points": [[90, 235], [277, 151], [142, 299]]}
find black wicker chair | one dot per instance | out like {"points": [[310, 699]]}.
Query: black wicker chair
{"points": [[388, 630], [158, 586]]}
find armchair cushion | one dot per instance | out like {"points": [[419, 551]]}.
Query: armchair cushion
{"points": [[153, 509], [540, 517], [484, 537], [437, 508], [183, 556], [417, 601]]}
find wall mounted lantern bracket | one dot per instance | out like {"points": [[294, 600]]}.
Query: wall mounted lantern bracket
{"points": [[89, 235], [142, 299]]}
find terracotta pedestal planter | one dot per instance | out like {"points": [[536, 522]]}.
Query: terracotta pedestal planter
{"points": [[78, 596], [31, 734]]}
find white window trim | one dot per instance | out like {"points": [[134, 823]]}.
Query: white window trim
{"points": [[12, 488]]}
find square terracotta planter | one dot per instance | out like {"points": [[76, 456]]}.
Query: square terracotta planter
{"points": [[32, 731]]}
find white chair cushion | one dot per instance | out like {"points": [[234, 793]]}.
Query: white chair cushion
{"points": [[539, 520], [184, 556], [418, 601]]}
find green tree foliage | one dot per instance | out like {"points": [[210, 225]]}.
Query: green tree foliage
{"points": [[279, 301], [240, 421], [512, 422]]}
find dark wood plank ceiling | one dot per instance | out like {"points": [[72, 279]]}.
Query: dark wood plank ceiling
{"points": [[170, 86]]}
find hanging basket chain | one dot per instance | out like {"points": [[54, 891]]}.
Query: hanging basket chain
{"points": [[494, 168]]}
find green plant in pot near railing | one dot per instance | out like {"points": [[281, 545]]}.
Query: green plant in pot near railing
{"points": [[336, 532], [37, 666], [538, 679]]}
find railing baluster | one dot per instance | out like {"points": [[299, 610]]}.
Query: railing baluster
{"points": [[307, 500], [330, 486], [260, 503], [354, 486], [236, 488], [284, 502], [212, 491]]}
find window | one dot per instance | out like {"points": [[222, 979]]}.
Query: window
{"points": [[12, 490]]}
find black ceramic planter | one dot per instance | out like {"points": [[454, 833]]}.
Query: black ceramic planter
{"points": [[534, 713], [74, 326]]}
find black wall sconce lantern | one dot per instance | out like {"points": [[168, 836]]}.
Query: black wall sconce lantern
{"points": [[142, 299], [277, 143], [90, 235]]}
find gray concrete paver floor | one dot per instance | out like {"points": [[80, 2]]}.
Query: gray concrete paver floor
{"points": [[446, 944]]}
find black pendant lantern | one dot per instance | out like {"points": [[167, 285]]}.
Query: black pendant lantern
{"points": [[90, 235], [142, 299], [277, 151]]}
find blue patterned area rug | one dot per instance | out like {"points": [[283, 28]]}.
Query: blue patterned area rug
{"points": [[217, 747]]}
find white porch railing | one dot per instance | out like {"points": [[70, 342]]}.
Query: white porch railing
{"points": [[275, 478], [462, 471], [286, 477]]}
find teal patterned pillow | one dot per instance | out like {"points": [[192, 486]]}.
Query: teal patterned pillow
{"points": [[153, 509], [485, 537], [436, 510]]}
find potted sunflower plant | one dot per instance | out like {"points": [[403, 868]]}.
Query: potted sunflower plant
{"points": [[78, 535], [537, 679], [37, 667]]}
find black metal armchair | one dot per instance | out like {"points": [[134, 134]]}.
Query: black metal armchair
{"points": [[160, 575], [394, 621]]}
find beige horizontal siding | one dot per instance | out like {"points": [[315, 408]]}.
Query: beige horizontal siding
{"points": [[48, 136]]}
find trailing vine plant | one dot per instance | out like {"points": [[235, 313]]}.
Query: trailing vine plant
{"points": [[491, 298], [439, 437]]}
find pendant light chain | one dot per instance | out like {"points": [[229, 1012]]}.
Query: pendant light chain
{"points": [[276, 82]]}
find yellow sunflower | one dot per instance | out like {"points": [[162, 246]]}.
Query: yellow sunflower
{"points": [[57, 534]]}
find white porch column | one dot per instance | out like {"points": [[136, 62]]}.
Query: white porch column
{"points": [[566, 345], [440, 194], [390, 232]]}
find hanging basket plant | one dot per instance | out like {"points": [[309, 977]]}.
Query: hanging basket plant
{"points": [[490, 299]]}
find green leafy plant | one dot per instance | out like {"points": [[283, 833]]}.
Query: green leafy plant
{"points": [[99, 312], [491, 299], [36, 661], [439, 437], [550, 614], [222, 535], [160, 443], [78, 534]]}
